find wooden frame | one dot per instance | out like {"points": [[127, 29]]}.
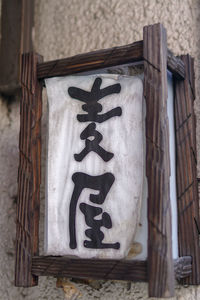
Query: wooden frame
{"points": [[187, 183], [159, 270]]}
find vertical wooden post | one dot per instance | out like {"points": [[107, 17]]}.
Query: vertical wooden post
{"points": [[16, 26], [29, 176], [186, 160], [160, 263]]}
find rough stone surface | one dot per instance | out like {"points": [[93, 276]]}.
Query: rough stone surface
{"points": [[69, 27]]}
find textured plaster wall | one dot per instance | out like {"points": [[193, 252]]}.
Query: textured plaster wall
{"points": [[68, 27]]}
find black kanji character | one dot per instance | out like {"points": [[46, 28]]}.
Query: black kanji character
{"points": [[101, 183], [94, 233], [92, 107], [92, 145]]}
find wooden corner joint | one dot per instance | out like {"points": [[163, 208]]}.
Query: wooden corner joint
{"points": [[182, 267]]}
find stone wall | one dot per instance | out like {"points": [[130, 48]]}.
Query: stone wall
{"points": [[68, 27]]}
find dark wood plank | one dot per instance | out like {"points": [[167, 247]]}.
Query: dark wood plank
{"points": [[87, 268], [160, 264], [191, 75], [91, 61], [29, 177], [103, 59], [175, 65], [16, 27], [101, 269], [27, 23], [186, 165]]}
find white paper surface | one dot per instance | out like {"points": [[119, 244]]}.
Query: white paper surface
{"points": [[122, 136]]}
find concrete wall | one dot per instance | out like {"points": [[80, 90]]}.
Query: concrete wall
{"points": [[68, 27]]}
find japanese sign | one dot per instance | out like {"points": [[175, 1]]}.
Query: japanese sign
{"points": [[94, 165]]}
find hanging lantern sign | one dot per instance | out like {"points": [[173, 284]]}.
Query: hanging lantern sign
{"points": [[107, 135]]}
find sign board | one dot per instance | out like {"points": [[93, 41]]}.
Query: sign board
{"points": [[95, 164], [81, 148]]}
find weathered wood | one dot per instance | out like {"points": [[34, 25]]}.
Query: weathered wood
{"points": [[29, 177], [101, 269], [16, 23], [160, 264], [182, 267], [87, 268], [103, 59], [175, 65], [186, 166], [91, 61]]}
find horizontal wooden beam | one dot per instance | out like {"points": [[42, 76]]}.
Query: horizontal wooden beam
{"points": [[103, 59], [101, 269], [86, 268]]}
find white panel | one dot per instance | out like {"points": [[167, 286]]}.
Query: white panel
{"points": [[122, 136], [173, 197]]}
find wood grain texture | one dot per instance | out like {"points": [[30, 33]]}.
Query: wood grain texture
{"points": [[182, 267], [160, 264], [29, 177], [101, 269], [175, 65], [87, 268], [103, 59], [91, 61], [186, 166]]}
